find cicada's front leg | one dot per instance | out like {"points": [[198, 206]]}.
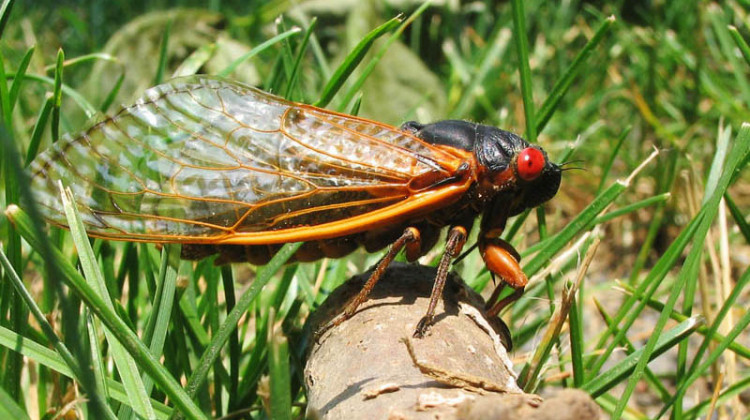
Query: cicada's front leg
{"points": [[503, 261]]}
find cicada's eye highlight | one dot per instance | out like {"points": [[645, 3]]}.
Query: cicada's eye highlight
{"points": [[530, 163]]}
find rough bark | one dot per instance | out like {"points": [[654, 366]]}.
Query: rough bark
{"points": [[363, 368]]}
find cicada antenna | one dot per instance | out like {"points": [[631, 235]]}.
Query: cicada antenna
{"points": [[564, 166]]}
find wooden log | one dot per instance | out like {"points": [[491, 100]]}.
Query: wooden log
{"points": [[363, 368]]}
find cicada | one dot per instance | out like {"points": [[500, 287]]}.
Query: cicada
{"points": [[225, 168]]}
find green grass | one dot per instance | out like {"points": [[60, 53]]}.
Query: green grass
{"points": [[140, 333]]}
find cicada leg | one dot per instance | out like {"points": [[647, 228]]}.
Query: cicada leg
{"points": [[455, 242], [503, 261], [410, 239], [495, 309]]}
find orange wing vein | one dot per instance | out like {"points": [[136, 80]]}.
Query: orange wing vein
{"points": [[204, 160]]}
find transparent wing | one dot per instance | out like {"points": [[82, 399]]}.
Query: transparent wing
{"points": [[202, 158]]}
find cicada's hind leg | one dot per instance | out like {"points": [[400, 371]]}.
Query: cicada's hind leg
{"points": [[455, 242], [410, 239], [495, 309]]}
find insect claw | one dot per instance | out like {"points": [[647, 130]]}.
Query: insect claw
{"points": [[422, 326], [318, 334]]}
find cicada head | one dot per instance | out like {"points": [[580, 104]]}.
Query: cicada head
{"points": [[512, 166], [543, 186]]}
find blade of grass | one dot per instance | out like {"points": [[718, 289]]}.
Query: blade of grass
{"points": [[352, 60], [562, 85], [524, 70], [257, 361], [69, 310], [741, 44], [195, 61], [82, 59], [689, 269], [322, 67], [723, 141], [19, 78], [739, 327], [356, 104], [57, 95], [191, 318], [156, 329], [209, 309], [612, 377], [301, 49], [657, 199], [109, 318], [163, 53], [278, 370], [719, 318], [63, 358], [89, 109], [352, 92], [577, 346], [529, 377], [497, 47], [739, 217], [718, 22], [732, 390], [54, 361], [645, 289], [5, 104], [5, 10], [615, 152], [112, 93], [10, 376], [126, 365], [221, 337], [36, 134], [9, 409], [666, 178], [257, 50], [234, 341], [652, 379], [258, 356], [285, 57], [97, 359], [276, 75], [737, 348], [714, 174]]}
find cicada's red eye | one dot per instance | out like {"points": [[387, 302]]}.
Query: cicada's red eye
{"points": [[530, 163]]}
